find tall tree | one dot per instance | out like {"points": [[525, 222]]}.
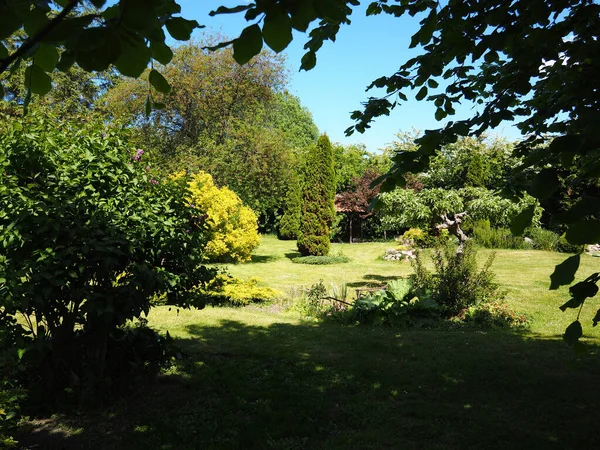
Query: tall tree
{"points": [[289, 225], [318, 210]]}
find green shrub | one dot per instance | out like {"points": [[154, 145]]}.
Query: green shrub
{"points": [[227, 290], [320, 260], [458, 283], [565, 246], [489, 237], [418, 236], [494, 315], [544, 239], [318, 210], [88, 237]]}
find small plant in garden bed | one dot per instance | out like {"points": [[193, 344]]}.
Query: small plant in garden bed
{"points": [[321, 260]]}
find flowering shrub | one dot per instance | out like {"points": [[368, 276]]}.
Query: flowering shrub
{"points": [[232, 227], [86, 241]]}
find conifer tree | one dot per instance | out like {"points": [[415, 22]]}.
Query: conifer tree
{"points": [[318, 193], [289, 225]]}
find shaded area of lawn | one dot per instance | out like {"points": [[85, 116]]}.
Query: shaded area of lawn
{"points": [[288, 385]]}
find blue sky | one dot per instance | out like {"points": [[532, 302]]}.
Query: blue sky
{"points": [[367, 49]]}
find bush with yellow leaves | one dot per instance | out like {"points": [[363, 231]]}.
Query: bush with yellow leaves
{"points": [[232, 227]]}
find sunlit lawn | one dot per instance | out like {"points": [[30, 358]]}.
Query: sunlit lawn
{"points": [[260, 379]]}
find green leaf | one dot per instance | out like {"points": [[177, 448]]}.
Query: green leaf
{"points": [[148, 106], [180, 28], [432, 83], [226, 10], [67, 59], [161, 52], [584, 207], [440, 114], [309, 61], [3, 51], [573, 333], [422, 93], [544, 184], [596, 318], [522, 221], [46, 56], [99, 47], [248, 45], [159, 82], [38, 81], [564, 273], [134, 57], [584, 232], [277, 31]]}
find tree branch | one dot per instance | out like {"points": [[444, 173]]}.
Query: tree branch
{"points": [[29, 43]]}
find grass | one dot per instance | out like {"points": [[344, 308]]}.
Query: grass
{"points": [[253, 378]]}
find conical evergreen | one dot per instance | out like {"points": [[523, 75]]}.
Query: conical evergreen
{"points": [[318, 193], [289, 225]]}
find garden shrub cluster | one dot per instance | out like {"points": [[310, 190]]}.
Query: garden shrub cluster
{"points": [[232, 227], [88, 236], [489, 237], [227, 290]]}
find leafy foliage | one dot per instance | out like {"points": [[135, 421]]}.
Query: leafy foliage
{"points": [[489, 237], [220, 117], [127, 35], [231, 227], [458, 283], [320, 260], [227, 290], [88, 238], [318, 210], [289, 225]]}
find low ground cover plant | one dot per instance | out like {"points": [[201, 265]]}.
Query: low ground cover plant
{"points": [[320, 260]]}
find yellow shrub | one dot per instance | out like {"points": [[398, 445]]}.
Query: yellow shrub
{"points": [[232, 227]]}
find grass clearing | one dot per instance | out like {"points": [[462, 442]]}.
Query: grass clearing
{"points": [[256, 379]]}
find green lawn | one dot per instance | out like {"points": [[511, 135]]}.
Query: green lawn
{"points": [[260, 379]]}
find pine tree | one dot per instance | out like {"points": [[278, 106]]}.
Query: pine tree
{"points": [[318, 193], [289, 225]]}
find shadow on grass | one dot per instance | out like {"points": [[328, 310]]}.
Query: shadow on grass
{"points": [[263, 259], [326, 386], [292, 255]]}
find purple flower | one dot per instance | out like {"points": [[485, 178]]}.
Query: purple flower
{"points": [[138, 155], [188, 231]]}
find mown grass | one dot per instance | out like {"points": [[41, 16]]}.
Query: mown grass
{"points": [[256, 379]]}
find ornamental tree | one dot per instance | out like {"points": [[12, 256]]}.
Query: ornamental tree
{"points": [[318, 192]]}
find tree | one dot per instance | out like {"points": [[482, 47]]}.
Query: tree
{"points": [[289, 225], [218, 117], [318, 192], [356, 201]]}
